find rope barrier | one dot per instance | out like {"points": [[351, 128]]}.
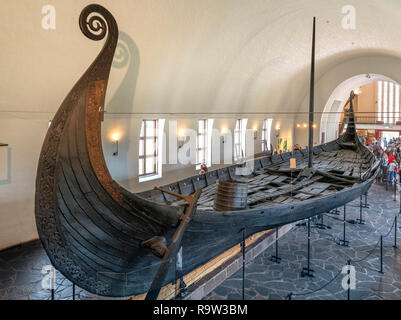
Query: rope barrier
{"points": [[321, 288], [355, 261], [388, 233]]}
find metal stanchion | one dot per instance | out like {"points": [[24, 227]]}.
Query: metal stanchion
{"points": [[381, 254], [276, 258], [386, 180], [321, 225], [349, 279], [344, 242], [73, 291], [395, 231], [308, 271], [400, 201], [360, 220], [366, 205], [243, 263], [395, 190], [53, 281], [179, 275]]}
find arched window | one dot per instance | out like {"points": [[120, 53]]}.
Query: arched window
{"points": [[267, 125]]}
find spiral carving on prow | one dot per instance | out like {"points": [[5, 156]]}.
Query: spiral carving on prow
{"points": [[95, 21]]}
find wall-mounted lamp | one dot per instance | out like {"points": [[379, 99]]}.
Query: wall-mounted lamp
{"points": [[277, 130], [305, 125], [181, 138], [224, 131], [116, 137], [298, 125], [255, 133], [314, 126]]}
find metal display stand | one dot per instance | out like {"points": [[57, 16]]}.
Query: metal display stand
{"points": [[349, 281], [243, 262], [381, 255], [276, 258], [366, 205], [308, 272], [321, 225], [360, 220], [395, 232], [400, 201], [180, 276], [343, 242]]}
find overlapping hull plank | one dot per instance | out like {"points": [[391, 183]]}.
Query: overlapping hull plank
{"points": [[94, 230]]}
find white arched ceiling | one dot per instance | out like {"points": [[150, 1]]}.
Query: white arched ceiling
{"points": [[207, 56]]}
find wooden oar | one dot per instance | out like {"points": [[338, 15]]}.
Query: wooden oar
{"points": [[174, 246]]}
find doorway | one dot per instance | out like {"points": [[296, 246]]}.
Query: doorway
{"points": [[390, 135]]}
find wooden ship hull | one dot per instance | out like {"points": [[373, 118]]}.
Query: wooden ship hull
{"points": [[110, 241]]}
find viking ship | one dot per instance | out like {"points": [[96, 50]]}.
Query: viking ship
{"points": [[115, 243]]}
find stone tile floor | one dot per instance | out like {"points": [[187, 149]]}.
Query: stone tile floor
{"points": [[21, 267], [21, 276], [265, 279]]}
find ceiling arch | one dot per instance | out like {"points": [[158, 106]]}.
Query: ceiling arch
{"points": [[337, 82], [337, 100]]}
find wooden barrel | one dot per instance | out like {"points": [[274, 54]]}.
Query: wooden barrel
{"points": [[230, 195]]}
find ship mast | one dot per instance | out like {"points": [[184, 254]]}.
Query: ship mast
{"points": [[311, 97]]}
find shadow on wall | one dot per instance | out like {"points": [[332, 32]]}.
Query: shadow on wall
{"points": [[127, 53], [126, 56], [5, 165]]}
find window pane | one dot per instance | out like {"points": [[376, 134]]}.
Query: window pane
{"points": [[141, 148], [379, 100], [237, 137], [141, 172], [150, 146], [201, 156], [150, 165], [237, 150], [201, 143], [150, 124], [202, 126], [397, 102], [391, 102], [142, 130], [150, 128], [385, 96]]}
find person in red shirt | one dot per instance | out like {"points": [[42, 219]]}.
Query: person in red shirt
{"points": [[391, 158]]}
